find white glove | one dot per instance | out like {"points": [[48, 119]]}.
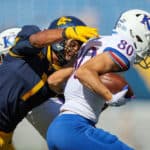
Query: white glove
{"points": [[119, 99]]}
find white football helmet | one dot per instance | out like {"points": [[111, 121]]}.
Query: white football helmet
{"points": [[7, 39], [136, 24]]}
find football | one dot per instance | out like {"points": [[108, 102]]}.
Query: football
{"points": [[115, 83]]}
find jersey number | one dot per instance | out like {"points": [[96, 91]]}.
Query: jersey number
{"points": [[123, 45]]}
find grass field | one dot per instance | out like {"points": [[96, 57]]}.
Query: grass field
{"points": [[131, 123]]}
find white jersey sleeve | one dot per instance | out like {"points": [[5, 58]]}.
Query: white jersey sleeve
{"points": [[120, 48]]}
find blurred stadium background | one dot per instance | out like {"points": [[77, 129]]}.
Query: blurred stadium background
{"points": [[130, 122]]}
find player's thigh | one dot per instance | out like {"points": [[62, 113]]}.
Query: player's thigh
{"points": [[99, 139], [70, 132]]}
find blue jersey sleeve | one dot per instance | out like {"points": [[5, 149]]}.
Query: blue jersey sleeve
{"points": [[22, 46]]}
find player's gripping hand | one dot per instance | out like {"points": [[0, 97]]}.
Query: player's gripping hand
{"points": [[119, 99], [81, 33]]}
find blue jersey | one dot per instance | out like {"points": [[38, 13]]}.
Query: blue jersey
{"points": [[23, 79]]}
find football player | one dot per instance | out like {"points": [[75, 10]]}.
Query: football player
{"points": [[35, 55], [74, 128]]}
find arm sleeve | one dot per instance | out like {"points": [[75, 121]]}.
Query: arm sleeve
{"points": [[22, 46]]}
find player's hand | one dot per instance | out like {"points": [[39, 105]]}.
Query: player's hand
{"points": [[81, 33], [118, 99]]}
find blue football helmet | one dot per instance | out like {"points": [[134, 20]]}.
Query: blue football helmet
{"points": [[63, 22], [66, 21]]}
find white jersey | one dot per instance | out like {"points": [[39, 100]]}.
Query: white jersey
{"points": [[79, 99]]}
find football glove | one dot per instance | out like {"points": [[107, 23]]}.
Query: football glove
{"points": [[81, 33], [119, 99]]}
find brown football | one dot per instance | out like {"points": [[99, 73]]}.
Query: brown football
{"points": [[115, 83]]}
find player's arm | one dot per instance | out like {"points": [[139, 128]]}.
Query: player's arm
{"points": [[46, 37], [57, 80], [31, 40], [22, 46], [88, 73], [49, 36]]}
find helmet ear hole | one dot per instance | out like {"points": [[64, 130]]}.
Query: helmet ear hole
{"points": [[137, 15], [139, 39], [135, 45]]}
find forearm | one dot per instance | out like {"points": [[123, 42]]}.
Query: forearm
{"points": [[46, 37], [91, 79], [58, 78], [81, 33], [89, 74]]}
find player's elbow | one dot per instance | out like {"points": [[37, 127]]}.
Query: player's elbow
{"points": [[55, 85], [80, 73], [36, 41], [53, 82]]}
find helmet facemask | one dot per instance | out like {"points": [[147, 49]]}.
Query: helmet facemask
{"points": [[143, 60], [143, 55], [66, 50], [71, 48]]}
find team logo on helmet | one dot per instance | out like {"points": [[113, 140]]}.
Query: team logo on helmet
{"points": [[7, 39], [146, 21], [63, 21]]}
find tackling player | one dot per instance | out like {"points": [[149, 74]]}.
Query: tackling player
{"points": [[35, 55], [85, 95]]}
